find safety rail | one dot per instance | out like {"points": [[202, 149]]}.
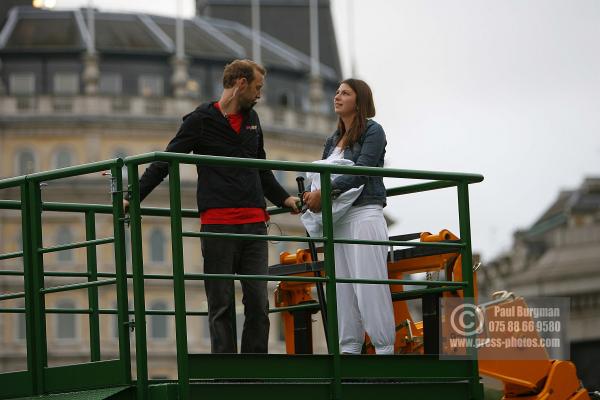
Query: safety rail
{"points": [[31, 208]]}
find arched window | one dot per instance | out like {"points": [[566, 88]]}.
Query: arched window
{"points": [[66, 324], [18, 247], [63, 158], [157, 246], [20, 325], [64, 236], [158, 323], [25, 163]]}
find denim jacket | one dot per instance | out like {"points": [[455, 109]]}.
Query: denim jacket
{"points": [[368, 151]]}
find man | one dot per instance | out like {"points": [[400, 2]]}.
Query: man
{"points": [[230, 200]]}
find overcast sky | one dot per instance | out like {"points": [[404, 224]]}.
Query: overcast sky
{"points": [[506, 88]]}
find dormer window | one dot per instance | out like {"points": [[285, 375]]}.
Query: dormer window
{"points": [[151, 85], [66, 83], [22, 84], [111, 84]]}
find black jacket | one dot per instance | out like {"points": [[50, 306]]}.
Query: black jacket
{"points": [[206, 131]]}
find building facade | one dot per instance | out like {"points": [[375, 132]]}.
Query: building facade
{"points": [[85, 85], [559, 256]]}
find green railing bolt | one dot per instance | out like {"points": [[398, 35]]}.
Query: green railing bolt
{"points": [[178, 282], [137, 260], [332, 322]]}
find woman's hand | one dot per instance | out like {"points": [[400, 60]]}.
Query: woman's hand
{"points": [[291, 202], [313, 200]]}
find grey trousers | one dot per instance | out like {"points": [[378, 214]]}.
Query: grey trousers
{"points": [[244, 257]]}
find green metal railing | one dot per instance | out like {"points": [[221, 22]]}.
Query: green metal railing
{"points": [[43, 379]]}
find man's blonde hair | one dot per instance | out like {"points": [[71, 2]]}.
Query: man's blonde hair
{"points": [[241, 69]]}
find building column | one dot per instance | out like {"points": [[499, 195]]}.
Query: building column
{"points": [[316, 94], [179, 78], [91, 73], [2, 86]]}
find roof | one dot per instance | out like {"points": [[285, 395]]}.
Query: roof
{"points": [[29, 30], [583, 200], [287, 20], [34, 31]]}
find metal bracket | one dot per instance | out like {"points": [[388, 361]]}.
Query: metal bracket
{"points": [[131, 324]]}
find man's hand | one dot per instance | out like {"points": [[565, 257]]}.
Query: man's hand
{"points": [[313, 200], [126, 206], [290, 202]]}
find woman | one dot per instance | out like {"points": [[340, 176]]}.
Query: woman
{"points": [[361, 307]]}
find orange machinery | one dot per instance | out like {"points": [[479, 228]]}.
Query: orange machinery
{"points": [[535, 376]]}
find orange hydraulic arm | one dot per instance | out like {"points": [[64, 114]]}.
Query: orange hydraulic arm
{"points": [[297, 325], [532, 377]]}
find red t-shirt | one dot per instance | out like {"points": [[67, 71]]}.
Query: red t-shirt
{"points": [[233, 215]]}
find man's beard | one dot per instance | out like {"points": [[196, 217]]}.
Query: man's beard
{"points": [[247, 106]]}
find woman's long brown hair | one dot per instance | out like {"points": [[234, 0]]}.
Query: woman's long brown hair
{"points": [[365, 108]]}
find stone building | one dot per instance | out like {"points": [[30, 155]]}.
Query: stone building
{"points": [[559, 256], [84, 85]]}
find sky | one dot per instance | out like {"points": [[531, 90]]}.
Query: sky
{"points": [[509, 89]]}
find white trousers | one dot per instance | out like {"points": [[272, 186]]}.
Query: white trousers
{"points": [[363, 307]]}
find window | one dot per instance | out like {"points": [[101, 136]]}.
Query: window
{"points": [[18, 247], [66, 324], [111, 84], [25, 162], [158, 323], [284, 100], [22, 84], [20, 324], [19, 241], [63, 158], [151, 85], [115, 330], [64, 236], [157, 246], [66, 83]]}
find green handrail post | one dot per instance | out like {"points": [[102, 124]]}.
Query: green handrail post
{"points": [[34, 203], [329, 263], [118, 216], [467, 276], [92, 269], [178, 281], [30, 293], [137, 261]]}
